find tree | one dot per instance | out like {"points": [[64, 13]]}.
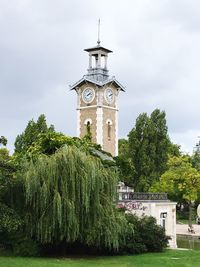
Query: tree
{"points": [[70, 198], [174, 150], [149, 147], [3, 141], [48, 143], [10, 220], [9, 224], [195, 160], [7, 171], [31, 134], [181, 181], [123, 147], [124, 163]]}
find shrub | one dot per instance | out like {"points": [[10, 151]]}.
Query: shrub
{"points": [[141, 235], [151, 235], [24, 246], [9, 223]]}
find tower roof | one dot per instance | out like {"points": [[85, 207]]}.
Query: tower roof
{"points": [[100, 84], [97, 48]]}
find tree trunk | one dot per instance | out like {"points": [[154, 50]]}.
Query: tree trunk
{"points": [[190, 215]]}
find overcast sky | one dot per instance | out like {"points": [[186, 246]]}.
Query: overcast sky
{"points": [[156, 45]]}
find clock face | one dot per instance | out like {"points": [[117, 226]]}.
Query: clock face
{"points": [[109, 95], [88, 95]]}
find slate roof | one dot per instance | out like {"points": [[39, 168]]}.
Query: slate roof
{"points": [[98, 83], [98, 47]]}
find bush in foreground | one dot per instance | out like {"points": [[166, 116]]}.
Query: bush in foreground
{"points": [[142, 235]]}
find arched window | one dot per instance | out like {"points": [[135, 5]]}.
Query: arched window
{"points": [[109, 131], [88, 127], [88, 124], [109, 127]]}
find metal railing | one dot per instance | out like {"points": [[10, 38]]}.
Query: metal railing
{"points": [[143, 196]]}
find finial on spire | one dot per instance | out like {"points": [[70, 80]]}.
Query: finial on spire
{"points": [[98, 41]]}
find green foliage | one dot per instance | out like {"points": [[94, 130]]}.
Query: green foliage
{"points": [[126, 170], [10, 225], [6, 170], [88, 136], [31, 134], [124, 163], [6, 165], [70, 198], [7, 179], [181, 181], [148, 149], [10, 221], [195, 160], [123, 147], [49, 143], [24, 246], [142, 235], [3, 141], [174, 150], [39, 139], [70, 190], [4, 154], [143, 157], [11, 201], [130, 241], [152, 235]]}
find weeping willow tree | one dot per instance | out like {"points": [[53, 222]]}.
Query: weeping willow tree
{"points": [[70, 197]]}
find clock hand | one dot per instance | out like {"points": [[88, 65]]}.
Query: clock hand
{"points": [[88, 94]]}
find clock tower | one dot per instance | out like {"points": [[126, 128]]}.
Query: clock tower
{"points": [[97, 108]]}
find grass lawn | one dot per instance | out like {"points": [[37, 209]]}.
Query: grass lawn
{"points": [[169, 258]]}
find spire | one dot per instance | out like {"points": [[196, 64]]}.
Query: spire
{"points": [[98, 41], [98, 60]]}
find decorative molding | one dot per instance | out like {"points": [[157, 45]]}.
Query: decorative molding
{"points": [[99, 97], [78, 130], [144, 196], [116, 99], [99, 126], [116, 133], [108, 107], [78, 91], [98, 83], [96, 106], [87, 107]]}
